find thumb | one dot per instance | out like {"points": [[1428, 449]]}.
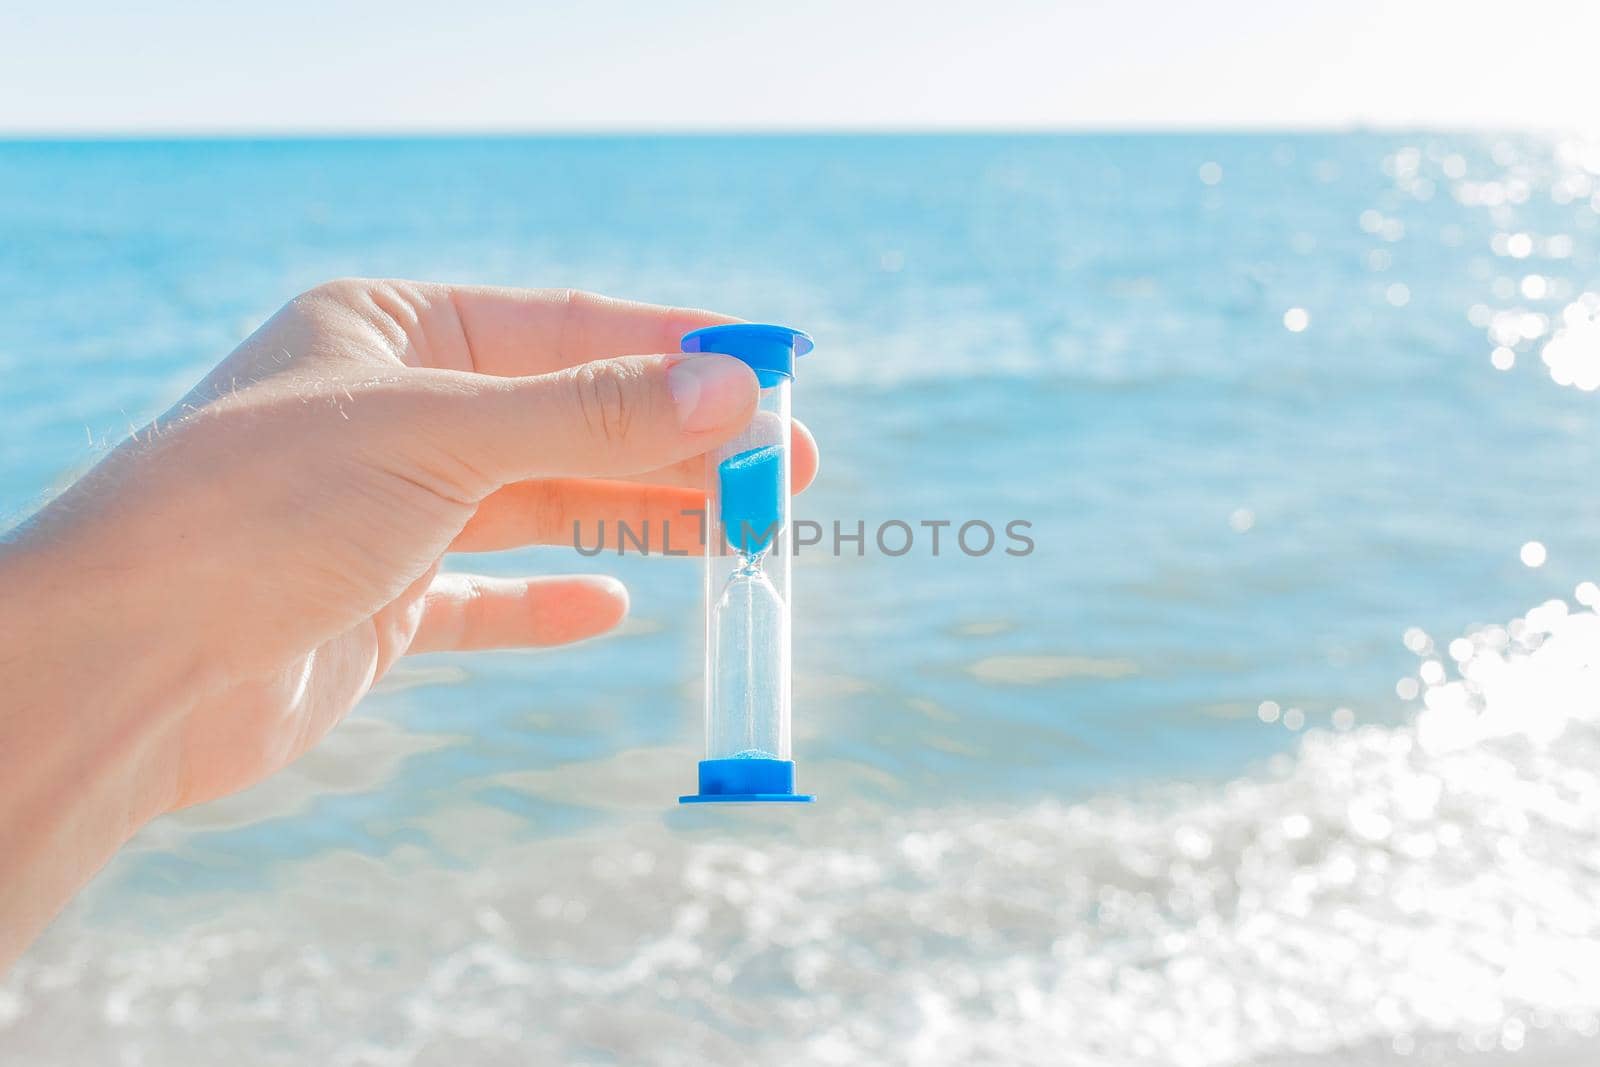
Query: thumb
{"points": [[608, 418]]}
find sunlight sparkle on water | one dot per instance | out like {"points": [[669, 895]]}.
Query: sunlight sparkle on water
{"points": [[1573, 352], [1567, 176]]}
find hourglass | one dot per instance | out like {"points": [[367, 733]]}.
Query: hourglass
{"points": [[747, 580]]}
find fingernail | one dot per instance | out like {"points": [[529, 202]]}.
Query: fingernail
{"points": [[708, 390]]}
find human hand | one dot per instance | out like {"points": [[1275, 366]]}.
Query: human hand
{"points": [[218, 592]]}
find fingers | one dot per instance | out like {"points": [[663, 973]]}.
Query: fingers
{"points": [[590, 514], [607, 419], [665, 506], [517, 332], [467, 612], [691, 473]]}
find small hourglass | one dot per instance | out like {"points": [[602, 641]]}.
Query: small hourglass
{"points": [[747, 580]]}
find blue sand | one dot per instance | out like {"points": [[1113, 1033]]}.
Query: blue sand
{"points": [[752, 498]]}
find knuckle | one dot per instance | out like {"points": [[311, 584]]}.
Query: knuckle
{"points": [[403, 302], [548, 508], [395, 309], [606, 399], [576, 301], [347, 291], [575, 307]]}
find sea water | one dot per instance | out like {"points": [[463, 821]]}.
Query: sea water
{"points": [[1279, 746]]}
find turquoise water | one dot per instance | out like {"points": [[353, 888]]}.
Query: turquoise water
{"points": [[1055, 788]]}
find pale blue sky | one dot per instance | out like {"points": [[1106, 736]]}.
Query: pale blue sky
{"points": [[404, 65]]}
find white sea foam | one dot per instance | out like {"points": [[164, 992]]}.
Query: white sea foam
{"points": [[1380, 889]]}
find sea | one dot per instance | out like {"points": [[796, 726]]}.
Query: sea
{"points": [[1278, 743]]}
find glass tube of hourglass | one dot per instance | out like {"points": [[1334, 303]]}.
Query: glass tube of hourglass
{"points": [[747, 573]]}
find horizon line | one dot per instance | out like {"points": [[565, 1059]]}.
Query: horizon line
{"points": [[380, 133]]}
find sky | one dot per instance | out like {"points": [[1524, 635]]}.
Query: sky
{"points": [[406, 66]]}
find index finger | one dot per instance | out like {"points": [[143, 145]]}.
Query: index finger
{"points": [[516, 332]]}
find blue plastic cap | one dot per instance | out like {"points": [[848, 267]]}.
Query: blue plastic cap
{"points": [[752, 498], [769, 350], [746, 781]]}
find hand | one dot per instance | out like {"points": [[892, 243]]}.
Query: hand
{"points": [[207, 602]]}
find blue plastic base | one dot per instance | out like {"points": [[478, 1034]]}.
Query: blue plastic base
{"points": [[746, 781], [747, 798]]}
